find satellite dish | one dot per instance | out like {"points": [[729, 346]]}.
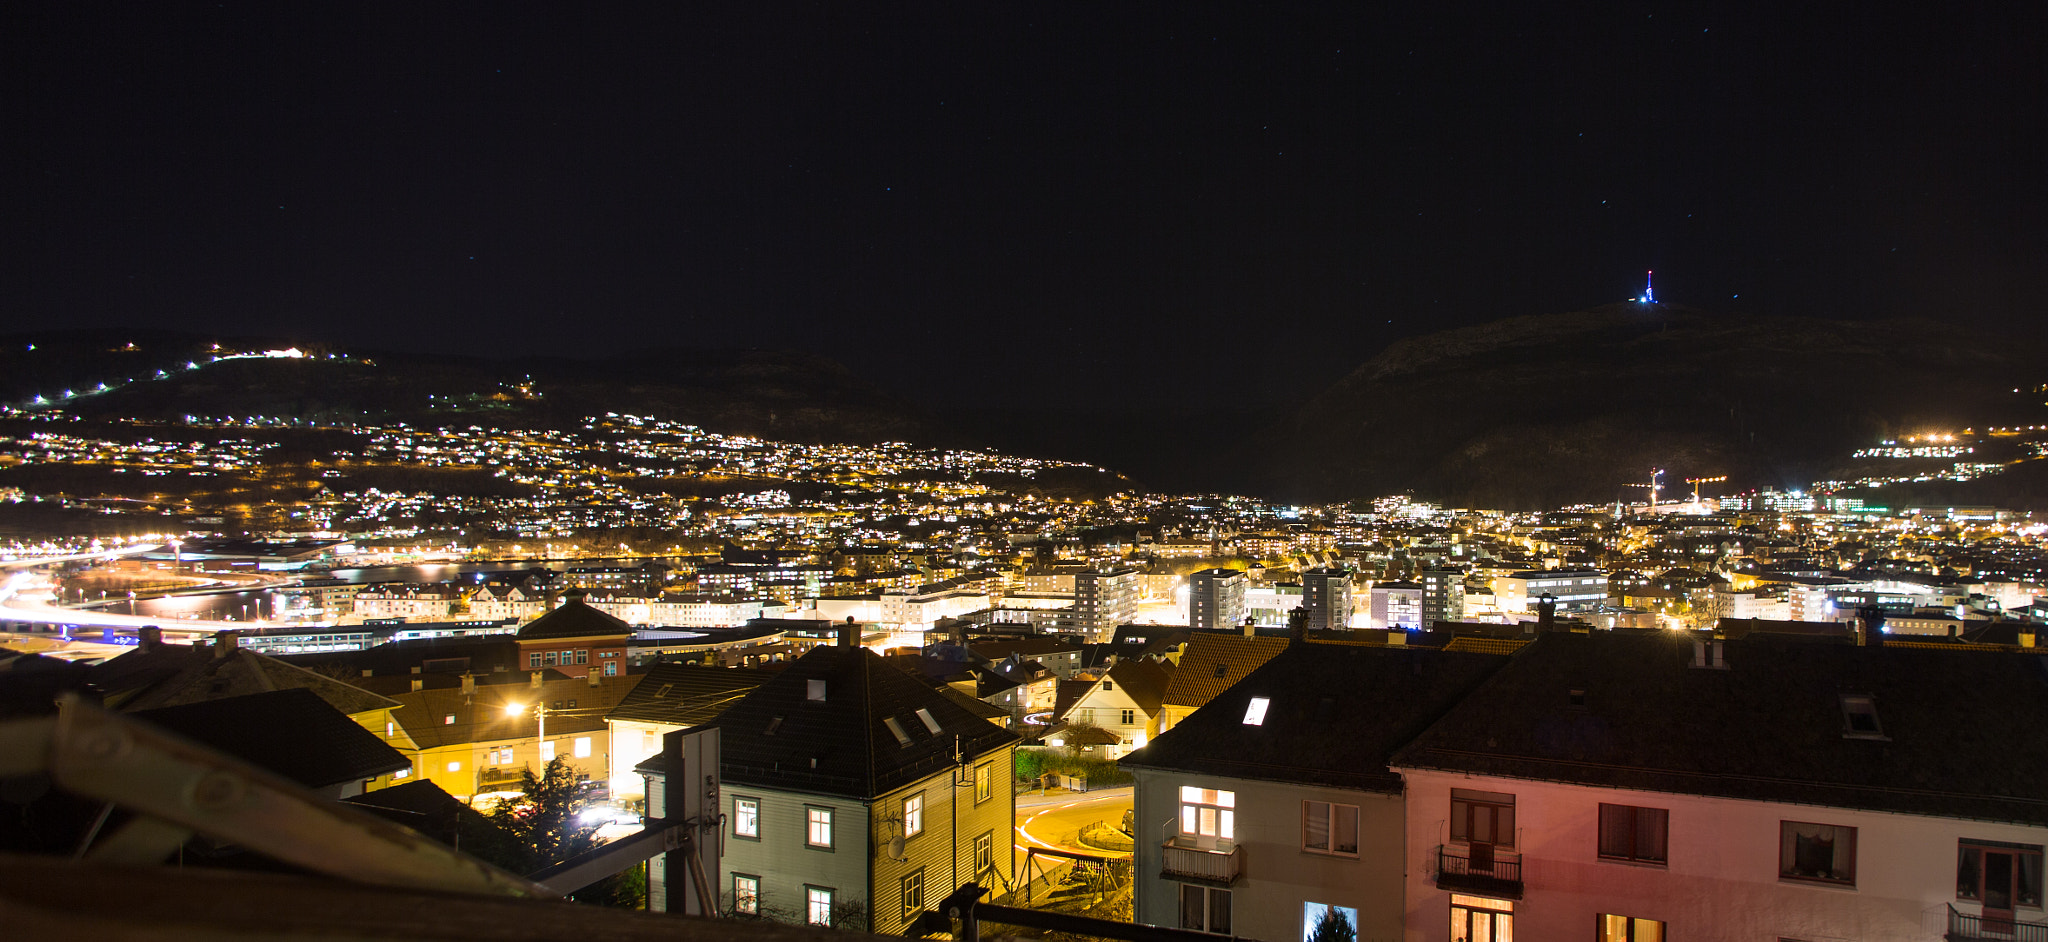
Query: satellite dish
{"points": [[896, 848]]}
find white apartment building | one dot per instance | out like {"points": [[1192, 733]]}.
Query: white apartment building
{"points": [[1576, 590]]}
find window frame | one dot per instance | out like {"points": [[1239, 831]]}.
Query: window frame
{"points": [[750, 817], [1224, 819], [1965, 845], [984, 782], [914, 880], [1787, 845], [1330, 818], [984, 852], [1630, 927], [1209, 908], [913, 815], [812, 893], [816, 817], [1632, 815], [1461, 827], [746, 904]]}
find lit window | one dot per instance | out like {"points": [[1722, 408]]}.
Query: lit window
{"points": [[746, 817], [984, 852], [448, 720], [1630, 929], [1208, 812], [1322, 922], [1255, 713], [913, 815], [818, 827], [611, 669], [817, 906], [983, 784], [402, 773], [454, 766], [1329, 828], [390, 729], [582, 747], [1479, 917], [746, 895], [1822, 853], [547, 751]]}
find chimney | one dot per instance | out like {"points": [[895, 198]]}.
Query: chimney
{"points": [[419, 683], [1546, 614], [534, 679], [468, 683], [1297, 627], [225, 643], [1871, 619], [596, 679], [846, 633], [1249, 628], [149, 637]]}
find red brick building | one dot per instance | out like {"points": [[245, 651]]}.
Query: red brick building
{"points": [[576, 640]]}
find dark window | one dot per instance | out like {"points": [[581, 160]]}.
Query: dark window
{"points": [[1631, 833], [1998, 874], [1205, 909], [1483, 817], [913, 893], [1222, 669], [1822, 853]]}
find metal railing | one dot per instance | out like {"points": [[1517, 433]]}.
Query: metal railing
{"points": [[1456, 869], [1964, 927], [1217, 864]]}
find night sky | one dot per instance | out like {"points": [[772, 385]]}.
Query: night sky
{"points": [[1014, 203]]}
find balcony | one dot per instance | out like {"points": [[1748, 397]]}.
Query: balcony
{"points": [[1184, 861], [1490, 872], [1964, 927]]}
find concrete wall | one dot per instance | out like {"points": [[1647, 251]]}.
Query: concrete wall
{"points": [[1721, 879], [1278, 877]]}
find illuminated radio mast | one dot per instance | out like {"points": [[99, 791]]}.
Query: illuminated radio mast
{"points": [[1649, 293]]}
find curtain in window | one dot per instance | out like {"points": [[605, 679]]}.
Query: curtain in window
{"points": [[1315, 825], [1191, 903], [1818, 850]]}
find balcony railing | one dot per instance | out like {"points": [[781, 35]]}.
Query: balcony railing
{"points": [[1498, 873], [1186, 862], [1964, 927]]}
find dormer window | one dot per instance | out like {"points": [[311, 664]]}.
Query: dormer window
{"points": [[1859, 718], [1255, 712], [814, 690]]}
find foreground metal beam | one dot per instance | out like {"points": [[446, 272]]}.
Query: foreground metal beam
{"points": [[185, 786]]}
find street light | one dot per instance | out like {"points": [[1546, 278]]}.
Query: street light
{"points": [[540, 716]]}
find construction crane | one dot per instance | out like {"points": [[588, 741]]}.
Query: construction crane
{"points": [[1655, 485], [1696, 482]]}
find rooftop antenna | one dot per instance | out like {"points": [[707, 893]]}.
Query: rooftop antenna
{"points": [[1649, 292]]}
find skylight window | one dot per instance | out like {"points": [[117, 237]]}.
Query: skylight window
{"points": [[1859, 718], [814, 690], [929, 722], [773, 725], [896, 730], [1255, 714]]}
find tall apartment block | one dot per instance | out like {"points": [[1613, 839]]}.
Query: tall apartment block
{"points": [[1443, 596], [1104, 600], [1216, 599], [1326, 595]]}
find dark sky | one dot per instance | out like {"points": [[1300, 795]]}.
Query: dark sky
{"points": [[1010, 201]]}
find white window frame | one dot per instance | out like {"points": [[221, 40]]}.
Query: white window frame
{"points": [[913, 815], [817, 827], [746, 818], [1208, 813], [1330, 815], [818, 905], [1209, 896], [547, 751], [746, 894]]}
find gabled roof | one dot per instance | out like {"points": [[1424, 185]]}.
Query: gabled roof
{"points": [[290, 732], [1144, 681], [574, 619], [1334, 715], [996, 649], [1959, 733], [174, 674], [1212, 662], [575, 706], [686, 694], [777, 736]]}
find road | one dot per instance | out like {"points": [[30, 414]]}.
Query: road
{"points": [[1054, 822], [26, 596]]}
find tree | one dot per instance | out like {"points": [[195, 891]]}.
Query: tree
{"points": [[1333, 926], [543, 822]]}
